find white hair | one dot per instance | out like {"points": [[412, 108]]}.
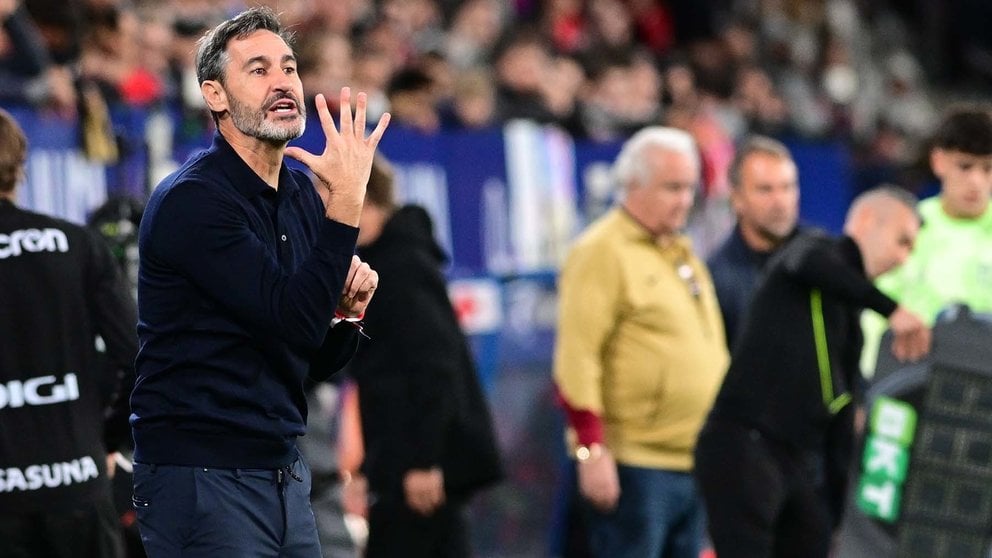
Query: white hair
{"points": [[630, 167]]}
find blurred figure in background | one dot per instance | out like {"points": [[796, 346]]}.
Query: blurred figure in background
{"points": [[773, 459], [640, 354], [326, 63], [428, 435], [765, 197], [28, 73], [320, 448], [952, 260], [521, 65], [60, 290], [473, 105], [412, 101]]}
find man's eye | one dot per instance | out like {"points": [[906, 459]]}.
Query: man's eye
{"points": [[258, 71], [290, 70]]}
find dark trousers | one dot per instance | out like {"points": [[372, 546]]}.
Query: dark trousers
{"points": [[89, 530], [763, 500], [194, 512], [396, 530]]}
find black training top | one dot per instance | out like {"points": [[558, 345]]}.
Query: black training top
{"points": [[59, 289], [774, 382]]}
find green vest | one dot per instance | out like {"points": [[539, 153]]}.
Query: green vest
{"points": [[951, 262]]}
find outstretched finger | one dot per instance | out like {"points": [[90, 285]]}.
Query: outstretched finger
{"points": [[300, 155], [360, 107], [347, 125], [379, 130], [324, 113]]}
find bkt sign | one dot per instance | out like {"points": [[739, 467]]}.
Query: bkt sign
{"points": [[886, 458], [43, 390]]}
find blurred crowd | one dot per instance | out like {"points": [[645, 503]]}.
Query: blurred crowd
{"points": [[820, 69]]}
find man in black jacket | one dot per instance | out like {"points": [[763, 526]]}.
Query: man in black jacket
{"points": [[428, 435], [773, 456], [59, 290]]}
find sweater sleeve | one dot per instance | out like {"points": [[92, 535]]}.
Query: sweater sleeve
{"points": [[206, 238], [339, 346], [588, 301]]}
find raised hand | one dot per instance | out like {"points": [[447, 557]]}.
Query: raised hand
{"points": [[342, 170]]}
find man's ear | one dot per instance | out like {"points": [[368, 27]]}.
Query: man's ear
{"points": [[938, 162], [214, 95], [736, 203]]}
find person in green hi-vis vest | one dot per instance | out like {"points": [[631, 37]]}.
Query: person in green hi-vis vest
{"points": [[952, 259]]}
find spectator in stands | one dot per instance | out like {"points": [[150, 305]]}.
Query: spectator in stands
{"points": [[112, 58], [604, 114], [765, 197], [326, 62], [372, 70], [952, 260], [521, 65], [611, 26], [27, 73], [473, 105], [428, 434], [61, 291], [475, 28], [640, 354], [247, 272], [23, 56], [412, 102], [773, 458], [758, 103]]}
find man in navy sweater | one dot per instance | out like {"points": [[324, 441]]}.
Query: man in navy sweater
{"points": [[247, 284], [765, 198]]}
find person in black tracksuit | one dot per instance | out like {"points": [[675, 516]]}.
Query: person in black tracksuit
{"points": [[428, 434], [59, 289], [772, 459]]}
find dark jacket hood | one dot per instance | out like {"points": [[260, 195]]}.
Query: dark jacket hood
{"points": [[411, 227]]}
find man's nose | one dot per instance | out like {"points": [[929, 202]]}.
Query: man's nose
{"points": [[282, 83]]}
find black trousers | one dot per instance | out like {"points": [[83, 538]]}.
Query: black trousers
{"points": [[89, 530], [762, 499], [396, 530]]}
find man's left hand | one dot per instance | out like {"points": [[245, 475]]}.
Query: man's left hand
{"points": [[358, 288]]}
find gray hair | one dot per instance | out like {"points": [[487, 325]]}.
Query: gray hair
{"points": [[630, 165], [755, 144], [882, 193], [211, 51]]}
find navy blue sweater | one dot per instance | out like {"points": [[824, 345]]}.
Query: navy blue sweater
{"points": [[237, 286]]}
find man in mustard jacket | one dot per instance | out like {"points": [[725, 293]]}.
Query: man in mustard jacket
{"points": [[640, 355]]}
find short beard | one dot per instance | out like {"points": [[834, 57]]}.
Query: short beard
{"points": [[772, 236], [253, 123]]}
